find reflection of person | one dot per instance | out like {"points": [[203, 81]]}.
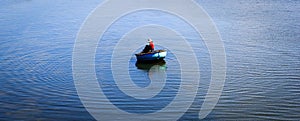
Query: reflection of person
{"points": [[149, 47]]}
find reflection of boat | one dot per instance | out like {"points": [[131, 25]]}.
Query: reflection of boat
{"points": [[152, 56], [147, 66]]}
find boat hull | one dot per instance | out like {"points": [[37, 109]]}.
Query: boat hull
{"points": [[154, 56]]}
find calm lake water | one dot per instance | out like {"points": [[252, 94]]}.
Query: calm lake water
{"points": [[261, 40]]}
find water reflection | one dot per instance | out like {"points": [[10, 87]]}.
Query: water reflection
{"points": [[161, 64]]}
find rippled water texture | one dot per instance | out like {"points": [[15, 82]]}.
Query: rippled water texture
{"points": [[261, 40]]}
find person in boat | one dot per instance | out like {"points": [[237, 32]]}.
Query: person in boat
{"points": [[149, 47]]}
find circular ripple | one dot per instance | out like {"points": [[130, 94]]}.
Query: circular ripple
{"points": [[84, 53]]}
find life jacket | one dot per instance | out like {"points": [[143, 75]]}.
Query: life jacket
{"points": [[151, 45]]}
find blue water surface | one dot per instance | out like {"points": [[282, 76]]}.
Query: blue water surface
{"points": [[261, 40]]}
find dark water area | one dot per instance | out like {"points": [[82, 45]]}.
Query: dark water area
{"points": [[261, 40]]}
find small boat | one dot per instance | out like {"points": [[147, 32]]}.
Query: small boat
{"points": [[151, 56]]}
